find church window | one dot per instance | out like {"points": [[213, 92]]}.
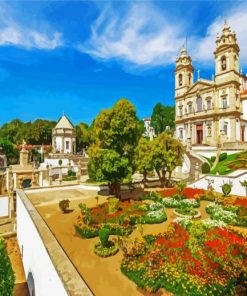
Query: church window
{"points": [[181, 134], [67, 144], [224, 102], [199, 104], [209, 105], [225, 127], [190, 108], [180, 79], [223, 63], [180, 111]]}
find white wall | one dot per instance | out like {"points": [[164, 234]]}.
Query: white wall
{"points": [[244, 105], [35, 257], [4, 206], [220, 180]]}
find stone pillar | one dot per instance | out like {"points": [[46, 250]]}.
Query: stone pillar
{"points": [[79, 170], [197, 173], [23, 156], [11, 192]]}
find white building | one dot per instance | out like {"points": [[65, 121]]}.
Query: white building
{"points": [[64, 136]]}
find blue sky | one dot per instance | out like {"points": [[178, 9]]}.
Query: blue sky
{"points": [[79, 57]]}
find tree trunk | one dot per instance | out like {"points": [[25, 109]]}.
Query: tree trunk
{"points": [[162, 183], [169, 179], [111, 189], [144, 181]]}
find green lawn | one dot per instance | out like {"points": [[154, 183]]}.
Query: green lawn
{"points": [[232, 163]]}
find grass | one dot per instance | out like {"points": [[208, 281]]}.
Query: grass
{"points": [[232, 163]]}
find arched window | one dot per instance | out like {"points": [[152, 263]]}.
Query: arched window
{"points": [[223, 63], [209, 103], [180, 80], [199, 104]]}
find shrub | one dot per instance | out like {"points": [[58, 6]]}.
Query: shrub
{"points": [[223, 156], [108, 251], [104, 234], [64, 205], [7, 278], [180, 186], [60, 162], [213, 159], [205, 168], [154, 217], [113, 204], [87, 232], [71, 173]]}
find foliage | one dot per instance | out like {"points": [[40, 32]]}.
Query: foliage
{"points": [[213, 159], [104, 234], [64, 205], [163, 118], [180, 186], [232, 163], [195, 262], [37, 132], [7, 277], [116, 134], [87, 231], [154, 217], [217, 212], [9, 150], [244, 183], [186, 211], [223, 156], [106, 251], [205, 168], [71, 173], [60, 162], [226, 189], [83, 136], [166, 154], [108, 165], [113, 205], [142, 158]]}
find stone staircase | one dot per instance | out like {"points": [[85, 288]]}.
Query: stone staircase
{"points": [[194, 161]]}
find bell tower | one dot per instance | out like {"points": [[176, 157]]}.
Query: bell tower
{"points": [[226, 56], [184, 73]]}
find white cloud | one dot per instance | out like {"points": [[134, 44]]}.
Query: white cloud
{"points": [[143, 37], [12, 32]]}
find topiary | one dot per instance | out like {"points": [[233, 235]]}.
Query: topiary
{"points": [[205, 168], [226, 189], [60, 162], [213, 159], [223, 156], [104, 234]]}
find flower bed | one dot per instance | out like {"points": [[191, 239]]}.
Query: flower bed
{"points": [[188, 192], [188, 213], [120, 222], [216, 267]]}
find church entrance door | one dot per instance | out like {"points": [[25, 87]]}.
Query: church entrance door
{"points": [[199, 134]]}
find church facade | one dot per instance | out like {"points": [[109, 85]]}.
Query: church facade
{"points": [[212, 112]]}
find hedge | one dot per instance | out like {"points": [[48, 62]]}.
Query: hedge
{"points": [[7, 277]]}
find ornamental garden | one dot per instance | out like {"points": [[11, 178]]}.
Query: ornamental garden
{"points": [[193, 256]]}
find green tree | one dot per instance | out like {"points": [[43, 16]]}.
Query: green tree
{"points": [[7, 278], [108, 166], [83, 136], [166, 154], [117, 130], [9, 150], [142, 158], [163, 117]]}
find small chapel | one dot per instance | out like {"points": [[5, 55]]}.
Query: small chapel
{"points": [[64, 136], [212, 112]]}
